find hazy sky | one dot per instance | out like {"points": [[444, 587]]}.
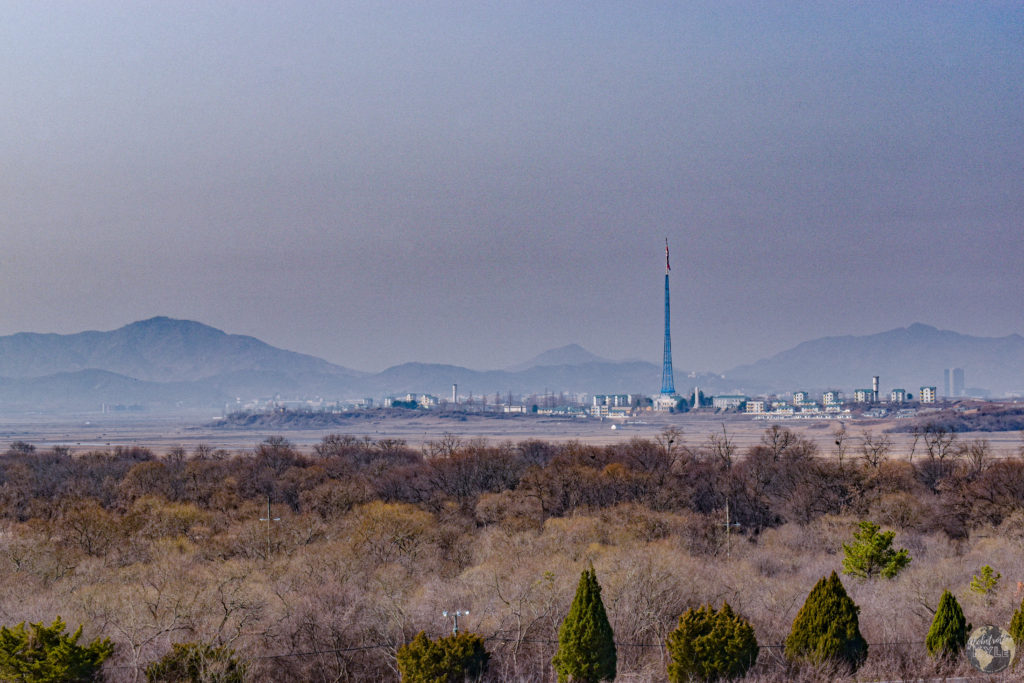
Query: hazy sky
{"points": [[476, 182]]}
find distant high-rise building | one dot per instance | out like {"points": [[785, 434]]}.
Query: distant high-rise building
{"points": [[958, 382], [953, 382], [668, 383]]}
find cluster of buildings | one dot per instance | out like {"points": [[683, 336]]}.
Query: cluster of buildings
{"points": [[833, 403]]}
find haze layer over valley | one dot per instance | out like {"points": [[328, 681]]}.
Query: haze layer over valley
{"points": [[166, 365]]}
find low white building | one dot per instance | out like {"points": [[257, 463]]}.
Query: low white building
{"points": [[664, 403], [727, 401], [927, 395]]}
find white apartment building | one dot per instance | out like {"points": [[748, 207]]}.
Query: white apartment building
{"points": [[927, 394], [755, 407], [613, 400]]}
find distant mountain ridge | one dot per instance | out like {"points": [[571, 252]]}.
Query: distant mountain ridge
{"points": [[164, 363], [168, 364], [907, 357], [570, 354], [596, 377], [160, 349]]}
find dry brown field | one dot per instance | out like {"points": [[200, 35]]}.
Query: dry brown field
{"points": [[161, 433]]}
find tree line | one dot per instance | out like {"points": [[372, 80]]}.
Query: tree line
{"points": [[368, 540]]}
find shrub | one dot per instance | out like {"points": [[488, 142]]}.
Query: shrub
{"points": [[45, 653], [871, 554], [195, 663], [709, 645], [586, 645], [948, 633], [451, 659], [826, 629]]}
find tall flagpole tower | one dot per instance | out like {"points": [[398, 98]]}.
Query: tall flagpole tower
{"points": [[668, 384]]}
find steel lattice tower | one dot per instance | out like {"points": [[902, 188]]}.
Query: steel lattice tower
{"points": [[668, 383]]}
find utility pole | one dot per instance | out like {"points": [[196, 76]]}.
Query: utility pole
{"points": [[728, 530], [455, 615], [268, 519]]}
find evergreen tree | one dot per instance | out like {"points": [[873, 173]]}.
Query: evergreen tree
{"points": [[586, 645], [986, 584], [1017, 630], [451, 659], [46, 654], [948, 633], [709, 645], [871, 554], [826, 628]]}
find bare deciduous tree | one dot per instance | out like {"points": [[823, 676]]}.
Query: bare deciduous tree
{"points": [[721, 448], [875, 449]]}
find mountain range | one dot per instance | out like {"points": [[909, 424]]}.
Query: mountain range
{"points": [[908, 358], [163, 364]]}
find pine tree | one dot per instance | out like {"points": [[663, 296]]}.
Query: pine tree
{"points": [[709, 645], [986, 584], [451, 659], [871, 554], [1017, 628], [586, 645], [948, 633], [47, 653], [826, 628]]}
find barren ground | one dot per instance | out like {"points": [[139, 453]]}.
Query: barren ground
{"points": [[89, 432]]}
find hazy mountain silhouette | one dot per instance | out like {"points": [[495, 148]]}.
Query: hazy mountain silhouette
{"points": [[95, 389], [591, 377], [907, 357], [157, 350], [570, 354], [167, 364], [160, 362]]}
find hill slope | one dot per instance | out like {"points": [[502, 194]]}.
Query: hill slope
{"points": [[155, 350], [908, 357], [571, 354]]}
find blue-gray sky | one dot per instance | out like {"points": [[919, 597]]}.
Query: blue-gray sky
{"points": [[477, 182]]}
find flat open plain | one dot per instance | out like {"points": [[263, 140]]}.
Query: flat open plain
{"points": [[99, 431]]}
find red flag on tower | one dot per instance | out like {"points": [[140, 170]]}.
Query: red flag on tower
{"points": [[667, 266]]}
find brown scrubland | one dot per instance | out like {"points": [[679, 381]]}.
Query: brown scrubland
{"points": [[369, 541]]}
